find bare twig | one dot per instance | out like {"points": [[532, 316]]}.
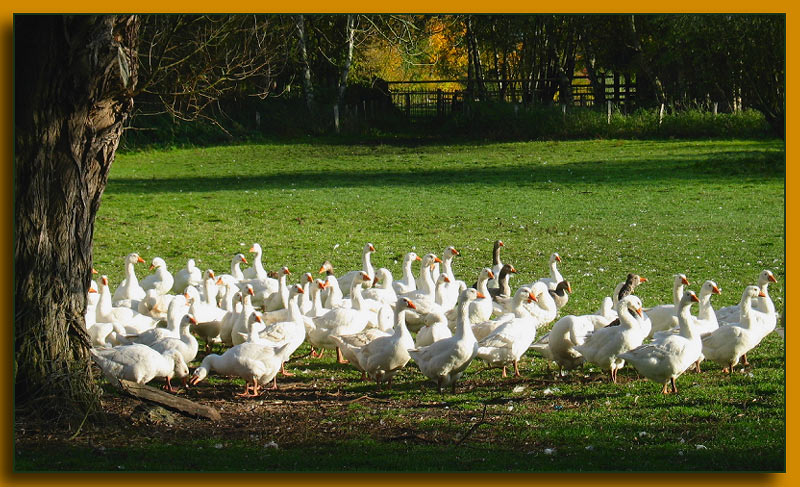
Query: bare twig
{"points": [[474, 426]]}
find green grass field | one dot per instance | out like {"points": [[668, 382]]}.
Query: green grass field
{"points": [[709, 209]]}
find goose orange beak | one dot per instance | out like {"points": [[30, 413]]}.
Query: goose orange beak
{"points": [[371, 248], [642, 279], [310, 278], [639, 312], [569, 288], [287, 271], [139, 259], [192, 319], [321, 269], [92, 290], [322, 284], [418, 258], [716, 290], [558, 258], [481, 295], [761, 294], [513, 269], [436, 259], [531, 297], [244, 259], [104, 279], [685, 281], [446, 279], [219, 281], [695, 298], [94, 271], [411, 304], [252, 249], [491, 275], [500, 243], [456, 252], [250, 291], [152, 267], [772, 278]]}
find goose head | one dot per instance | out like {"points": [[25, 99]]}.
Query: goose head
{"points": [[255, 249], [180, 369], [368, 248], [507, 269], [709, 287], [404, 303], [564, 286], [326, 268], [158, 262], [411, 257], [485, 274], [468, 295], [383, 275], [308, 277], [631, 304], [688, 298], [554, 257], [191, 294], [133, 258], [680, 279], [208, 274], [320, 284], [766, 276], [239, 258], [450, 252]]}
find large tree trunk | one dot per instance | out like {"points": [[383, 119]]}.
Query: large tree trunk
{"points": [[74, 78], [350, 31]]}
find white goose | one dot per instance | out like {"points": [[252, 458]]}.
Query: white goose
{"points": [[566, 334], [279, 299], [382, 357], [347, 279], [154, 305], [453, 287], [291, 331], [105, 312], [664, 360], [236, 268], [555, 275], [161, 280], [664, 316], [408, 282], [728, 343], [341, 321], [446, 360], [506, 344], [253, 362], [382, 289], [129, 292], [443, 293], [603, 347], [176, 310], [257, 271], [188, 276], [435, 329], [186, 344], [480, 309], [140, 364], [543, 308], [706, 321], [730, 314], [517, 310], [424, 297]]}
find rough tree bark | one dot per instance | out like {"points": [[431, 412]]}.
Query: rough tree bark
{"points": [[350, 31], [74, 79], [308, 88]]}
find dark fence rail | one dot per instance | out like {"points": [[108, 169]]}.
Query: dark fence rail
{"points": [[438, 99]]}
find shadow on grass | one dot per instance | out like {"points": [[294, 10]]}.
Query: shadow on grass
{"points": [[702, 166]]}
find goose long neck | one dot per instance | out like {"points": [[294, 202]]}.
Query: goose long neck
{"points": [[744, 311], [463, 325], [400, 328], [294, 308], [482, 285], [316, 300], [504, 287], [427, 280], [704, 310], [677, 292], [765, 304], [257, 264], [355, 295], [130, 273], [447, 265], [685, 320], [496, 256], [366, 261], [408, 274], [627, 319]]}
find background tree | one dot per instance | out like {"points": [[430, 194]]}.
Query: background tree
{"points": [[74, 89]]}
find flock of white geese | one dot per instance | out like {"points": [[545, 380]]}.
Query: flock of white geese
{"points": [[149, 328]]}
